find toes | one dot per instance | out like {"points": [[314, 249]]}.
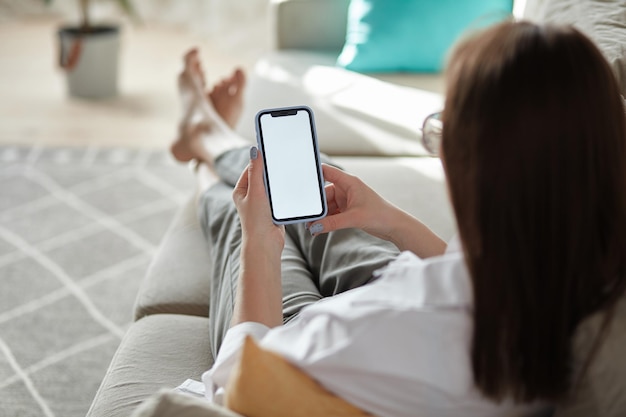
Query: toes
{"points": [[190, 58], [198, 71], [231, 86], [239, 78], [237, 82], [192, 67], [188, 62], [219, 89]]}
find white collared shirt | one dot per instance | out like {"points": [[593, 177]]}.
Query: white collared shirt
{"points": [[399, 346]]}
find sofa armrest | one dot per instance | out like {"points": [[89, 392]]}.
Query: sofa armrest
{"points": [[177, 280], [158, 351], [318, 25]]}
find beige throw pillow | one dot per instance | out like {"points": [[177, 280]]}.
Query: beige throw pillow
{"points": [[264, 384]]}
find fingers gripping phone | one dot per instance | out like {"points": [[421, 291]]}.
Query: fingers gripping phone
{"points": [[293, 172]]}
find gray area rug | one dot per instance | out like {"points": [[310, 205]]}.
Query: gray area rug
{"points": [[78, 227]]}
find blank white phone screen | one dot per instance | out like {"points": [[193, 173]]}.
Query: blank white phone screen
{"points": [[290, 160]]}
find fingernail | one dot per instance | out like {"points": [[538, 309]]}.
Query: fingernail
{"points": [[254, 152], [316, 228]]}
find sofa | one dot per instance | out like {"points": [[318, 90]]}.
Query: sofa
{"points": [[369, 124]]}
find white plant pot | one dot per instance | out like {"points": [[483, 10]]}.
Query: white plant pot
{"points": [[90, 60]]}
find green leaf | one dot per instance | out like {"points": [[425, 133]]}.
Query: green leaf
{"points": [[128, 7]]}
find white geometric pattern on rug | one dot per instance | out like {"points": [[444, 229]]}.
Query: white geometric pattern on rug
{"points": [[78, 227]]}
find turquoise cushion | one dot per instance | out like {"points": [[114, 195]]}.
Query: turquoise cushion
{"points": [[411, 35]]}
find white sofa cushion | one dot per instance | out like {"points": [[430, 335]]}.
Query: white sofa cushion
{"points": [[355, 114], [604, 21]]}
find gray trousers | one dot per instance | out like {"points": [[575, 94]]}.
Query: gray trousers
{"points": [[312, 267]]}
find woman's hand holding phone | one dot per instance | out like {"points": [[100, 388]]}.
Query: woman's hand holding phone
{"points": [[253, 208], [259, 293], [353, 204]]}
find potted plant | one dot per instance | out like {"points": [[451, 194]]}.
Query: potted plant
{"points": [[89, 53]]}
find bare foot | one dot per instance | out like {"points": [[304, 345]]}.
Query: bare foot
{"points": [[217, 110], [189, 146], [184, 147], [191, 80], [227, 97]]}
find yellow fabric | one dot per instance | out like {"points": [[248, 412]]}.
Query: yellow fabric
{"points": [[264, 384]]}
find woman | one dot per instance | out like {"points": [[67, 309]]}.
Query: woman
{"points": [[534, 149]]}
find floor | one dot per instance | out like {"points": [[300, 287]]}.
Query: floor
{"points": [[35, 108], [78, 229], [87, 190]]}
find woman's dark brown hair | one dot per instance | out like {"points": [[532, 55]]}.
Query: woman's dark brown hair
{"points": [[534, 146]]}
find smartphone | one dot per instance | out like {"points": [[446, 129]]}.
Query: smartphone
{"points": [[293, 172]]}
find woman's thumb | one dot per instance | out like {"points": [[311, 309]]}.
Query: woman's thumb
{"points": [[255, 170], [330, 223]]}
